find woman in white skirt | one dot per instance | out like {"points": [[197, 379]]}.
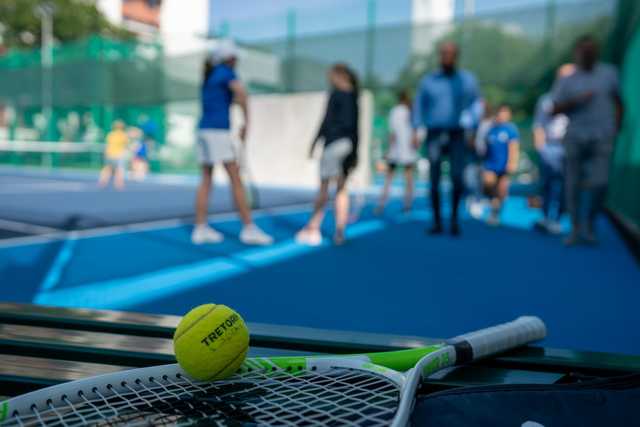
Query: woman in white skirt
{"points": [[339, 133], [402, 152], [220, 88]]}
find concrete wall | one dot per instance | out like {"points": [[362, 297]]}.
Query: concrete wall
{"points": [[281, 131]]}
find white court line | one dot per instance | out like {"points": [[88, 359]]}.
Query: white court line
{"points": [[43, 187], [55, 234], [23, 227]]}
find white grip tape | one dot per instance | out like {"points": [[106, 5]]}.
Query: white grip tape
{"points": [[503, 337]]}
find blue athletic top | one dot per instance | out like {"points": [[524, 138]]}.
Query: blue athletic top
{"points": [[498, 139], [443, 98], [216, 98], [142, 151]]}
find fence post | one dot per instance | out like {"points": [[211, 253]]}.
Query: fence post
{"points": [[224, 29], [370, 43], [290, 55], [551, 27]]}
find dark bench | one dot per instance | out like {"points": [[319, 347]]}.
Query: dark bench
{"points": [[41, 346]]}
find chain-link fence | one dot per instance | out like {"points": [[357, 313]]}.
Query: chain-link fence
{"points": [[513, 52], [624, 197]]}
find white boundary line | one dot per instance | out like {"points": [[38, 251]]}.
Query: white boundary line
{"points": [[52, 234], [23, 227]]}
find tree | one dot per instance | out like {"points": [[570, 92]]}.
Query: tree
{"points": [[493, 53], [72, 20]]}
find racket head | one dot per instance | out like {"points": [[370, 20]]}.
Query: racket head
{"points": [[332, 391]]}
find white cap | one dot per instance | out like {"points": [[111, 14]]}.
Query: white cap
{"points": [[224, 50]]}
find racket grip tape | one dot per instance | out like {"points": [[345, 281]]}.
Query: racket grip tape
{"points": [[496, 339]]}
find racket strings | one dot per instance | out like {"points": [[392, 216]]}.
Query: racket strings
{"points": [[337, 397]]}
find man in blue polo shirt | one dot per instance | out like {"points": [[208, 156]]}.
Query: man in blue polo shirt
{"points": [[441, 99]]}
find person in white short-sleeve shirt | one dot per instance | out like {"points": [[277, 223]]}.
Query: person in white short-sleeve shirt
{"points": [[402, 151]]}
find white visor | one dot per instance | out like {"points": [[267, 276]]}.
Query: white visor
{"points": [[225, 50]]}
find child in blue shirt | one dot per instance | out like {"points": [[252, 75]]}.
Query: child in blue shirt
{"points": [[501, 160]]}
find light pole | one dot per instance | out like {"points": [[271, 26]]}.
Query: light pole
{"points": [[45, 11]]}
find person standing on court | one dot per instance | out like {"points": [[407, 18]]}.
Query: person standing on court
{"points": [[440, 101], [548, 132], [115, 156], [500, 161], [220, 88], [339, 135], [402, 152], [591, 100]]}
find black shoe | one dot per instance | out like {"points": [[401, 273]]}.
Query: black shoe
{"points": [[455, 230], [435, 229]]}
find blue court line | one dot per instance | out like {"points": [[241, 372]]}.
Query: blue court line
{"points": [[362, 228], [130, 291], [52, 278], [123, 293], [517, 214], [276, 253], [288, 249]]}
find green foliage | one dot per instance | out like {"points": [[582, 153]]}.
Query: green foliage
{"points": [[493, 53], [72, 20]]}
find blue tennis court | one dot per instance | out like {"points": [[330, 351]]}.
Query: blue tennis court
{"points": [[389, 278]]}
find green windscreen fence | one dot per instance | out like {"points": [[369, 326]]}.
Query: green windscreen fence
{"points": [[624, 195], [92, 82]]}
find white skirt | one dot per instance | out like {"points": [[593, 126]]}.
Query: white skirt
{"points": [[216, 146]]}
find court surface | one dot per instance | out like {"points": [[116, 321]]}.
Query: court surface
{"points": [[131, 250]]}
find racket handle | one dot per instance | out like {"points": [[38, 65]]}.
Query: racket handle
{"points": [[496, 339]]}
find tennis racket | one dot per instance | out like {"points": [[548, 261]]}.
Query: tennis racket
{"points": [[250, 189], [367, 389]]}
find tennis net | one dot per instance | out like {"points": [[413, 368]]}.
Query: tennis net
{"points": [[51, 154]]}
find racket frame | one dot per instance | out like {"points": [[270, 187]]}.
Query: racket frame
{"points": [[419, 364]]}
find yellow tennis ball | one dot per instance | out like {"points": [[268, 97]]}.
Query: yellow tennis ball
{"points": [[211, 342]]}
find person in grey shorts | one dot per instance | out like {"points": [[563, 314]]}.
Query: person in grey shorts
{"points": [[590, 98], [339, 133]]}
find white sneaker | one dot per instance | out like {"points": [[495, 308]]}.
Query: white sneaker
{"points": [[205, 234], [476, 209], [252, 235], [554, 227], [309, 237]]}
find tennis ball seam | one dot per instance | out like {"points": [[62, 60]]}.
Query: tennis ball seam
{"points": [[192, 324], [241, 354]]}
